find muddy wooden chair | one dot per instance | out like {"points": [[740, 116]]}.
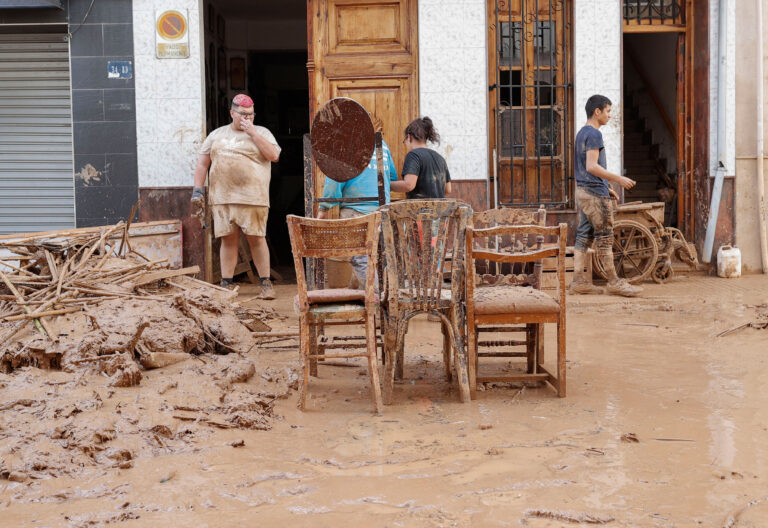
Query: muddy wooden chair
{"points": [[508, 299], [417, 237], [311, 238], [487, 273]]}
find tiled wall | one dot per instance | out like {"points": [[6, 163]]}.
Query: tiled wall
{"points": [[453, 81], [103, 112], [169, 99], [597, 67]]}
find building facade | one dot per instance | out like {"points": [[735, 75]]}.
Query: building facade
{"points": [[505, 82]]}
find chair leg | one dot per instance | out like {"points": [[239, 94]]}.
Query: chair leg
{"points": [[446, 352], [561, 356], [539, 346], [531, 335], [304, 350], [472, 358], [390, 340], [461, 362], [400, 351], [313, 350], [373, 367]]}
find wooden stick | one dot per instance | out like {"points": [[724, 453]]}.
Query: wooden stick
{"points": [[43, 314], [127, 227], [5, 263], [51, 265], [164, 274], [20, 299], [275, 334], [13, 332], [95, 246]]}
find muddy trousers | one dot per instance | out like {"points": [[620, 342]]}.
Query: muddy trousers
{"points": [[360, 263], [596, 224]]}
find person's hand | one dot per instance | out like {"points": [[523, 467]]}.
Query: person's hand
{"points": [[614, 194], [197, 204], [246, 125], [322, 214], [626, 183]]}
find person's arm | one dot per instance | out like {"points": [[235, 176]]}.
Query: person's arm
{"points": [[411, 170], [201, 170], [331, 189], [448, 186], [594, 168], [267, 149], [391, 165], [407, 184]]}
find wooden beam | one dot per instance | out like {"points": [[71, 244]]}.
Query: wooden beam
{"points": [[655, 28]]}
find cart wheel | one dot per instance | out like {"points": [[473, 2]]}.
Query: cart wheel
{"points": [[662, 272], [635, 251]]}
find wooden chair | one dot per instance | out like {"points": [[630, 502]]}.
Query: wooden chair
{"points": [[417, 237], [311, 238], [488, 273], [508, 299]]}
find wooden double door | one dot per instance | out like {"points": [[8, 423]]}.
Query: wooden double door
{"points": [[366, 50]]}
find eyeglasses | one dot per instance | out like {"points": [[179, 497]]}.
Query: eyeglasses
{"points": [[245, 114]]}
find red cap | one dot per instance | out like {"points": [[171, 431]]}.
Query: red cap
{"points": [[242, 100]]}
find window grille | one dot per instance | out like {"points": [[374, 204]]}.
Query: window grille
{"points": [[531, 100]]}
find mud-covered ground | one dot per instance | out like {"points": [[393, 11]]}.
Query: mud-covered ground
{"points": [[665, 424]]}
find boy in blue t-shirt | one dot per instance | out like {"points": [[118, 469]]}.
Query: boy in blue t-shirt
{"points": [[363, 185], [593, 198]]}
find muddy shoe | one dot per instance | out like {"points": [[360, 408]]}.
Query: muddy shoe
{"points": [[267, 291], [582, 287], [623, 288]]}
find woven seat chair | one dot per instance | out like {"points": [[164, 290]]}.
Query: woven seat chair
{"points": [[505, 300], [311, 238], [487, 273], [417, 237]]}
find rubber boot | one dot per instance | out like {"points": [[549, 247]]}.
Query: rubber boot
{"points": [[582, 281], [616, 286]]}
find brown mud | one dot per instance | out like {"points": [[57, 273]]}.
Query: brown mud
{"points": [[665, 425]]}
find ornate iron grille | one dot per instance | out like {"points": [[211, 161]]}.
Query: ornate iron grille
{"points": [[533, 93], [666, 12]]}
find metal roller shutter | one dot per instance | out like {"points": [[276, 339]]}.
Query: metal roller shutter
{"points": [[36, 170]]}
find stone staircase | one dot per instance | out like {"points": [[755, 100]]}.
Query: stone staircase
{"points": [[641, 158]]}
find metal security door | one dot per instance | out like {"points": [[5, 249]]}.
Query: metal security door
{"points": [[36, 169], [530, 100]]}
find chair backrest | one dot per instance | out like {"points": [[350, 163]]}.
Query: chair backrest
{"points": [[417, 237], [558, 235], [313, 238], [521, 273]]}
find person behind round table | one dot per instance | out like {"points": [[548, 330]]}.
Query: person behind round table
{"points": [[425, 172]]}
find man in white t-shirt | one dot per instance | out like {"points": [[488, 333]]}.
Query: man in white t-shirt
{"points": [[237, 158]]}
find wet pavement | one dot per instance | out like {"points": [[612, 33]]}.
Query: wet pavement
{"points": [[665, 424]]}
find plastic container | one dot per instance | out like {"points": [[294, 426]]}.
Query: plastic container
{"points": [[728, 262]]}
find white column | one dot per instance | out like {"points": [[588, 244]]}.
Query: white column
{"points": [[597, 67], [170, 120], [453, 81]]}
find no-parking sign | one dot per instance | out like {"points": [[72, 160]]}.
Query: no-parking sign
{"points": [[172, 34]]}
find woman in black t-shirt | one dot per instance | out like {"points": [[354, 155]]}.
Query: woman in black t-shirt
{"points": [[425, 173]]}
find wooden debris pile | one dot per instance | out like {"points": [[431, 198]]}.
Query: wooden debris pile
{"points": [[90, 302]]}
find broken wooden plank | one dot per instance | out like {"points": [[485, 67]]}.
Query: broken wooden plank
{"points": [[155, 276], [35, 315]]}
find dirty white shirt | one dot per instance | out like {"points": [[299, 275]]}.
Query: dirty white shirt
{"points": [[239, 173]]}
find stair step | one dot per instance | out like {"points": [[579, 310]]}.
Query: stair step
{"points": [[635, 138], [638, 172]]}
